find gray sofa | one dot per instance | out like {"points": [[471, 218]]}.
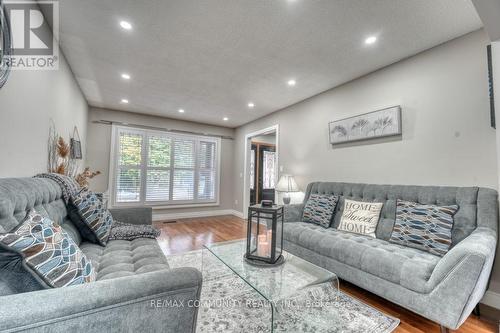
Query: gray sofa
{"points": [[443, 289], [134, 283]]}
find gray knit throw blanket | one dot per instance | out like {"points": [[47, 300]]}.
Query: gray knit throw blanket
{"points": [[127, 231], [68, 185]]}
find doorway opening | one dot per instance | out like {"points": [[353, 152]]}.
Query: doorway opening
{"points": [[261, 166]]}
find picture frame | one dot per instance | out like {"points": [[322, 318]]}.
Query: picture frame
{"points": [[376, 124]]}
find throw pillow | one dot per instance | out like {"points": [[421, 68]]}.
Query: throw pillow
{"points": [[360, 217], [40, 255], [319, 209], [424, 227], [90, 217]]}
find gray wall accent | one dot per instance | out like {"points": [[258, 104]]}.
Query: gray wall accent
{"points": [[99, 145], [27, 103], [447, 138]]}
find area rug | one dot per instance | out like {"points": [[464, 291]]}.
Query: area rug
{"points": [[228, 304]]}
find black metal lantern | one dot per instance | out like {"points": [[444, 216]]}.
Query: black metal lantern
{"points": [[265, 235]]}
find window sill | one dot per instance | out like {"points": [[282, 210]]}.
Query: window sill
{"points": [[177, 206], [200, 205]]}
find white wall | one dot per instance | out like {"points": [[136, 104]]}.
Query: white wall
{"points": [[447, 139], [99, 145], [27, 103]]}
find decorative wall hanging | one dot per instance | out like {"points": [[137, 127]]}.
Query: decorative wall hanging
{"points": [[60, 160], [5, 45], [376, 124], [76, 145], [491, 88]]}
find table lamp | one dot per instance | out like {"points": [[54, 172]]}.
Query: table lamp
{"points": [[287, 184]]}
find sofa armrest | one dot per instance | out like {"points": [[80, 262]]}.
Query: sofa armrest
{"points": [[293, 213], [461, 277], [480, 245], [135, 215], [156, 301]]}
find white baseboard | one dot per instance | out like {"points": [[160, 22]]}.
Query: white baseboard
{"points": [[188, 215], [492, 299]]}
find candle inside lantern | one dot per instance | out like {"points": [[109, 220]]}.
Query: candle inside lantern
{"points": [[263, 246]]}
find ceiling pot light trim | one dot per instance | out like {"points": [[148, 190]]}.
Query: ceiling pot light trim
{"points": [[126, 25], [371, 40], [291, 82]]}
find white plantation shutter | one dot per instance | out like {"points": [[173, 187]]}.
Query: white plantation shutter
{"points": [[158, 169], [161, 168], [206, 170], [184, 169], [128, 182]]}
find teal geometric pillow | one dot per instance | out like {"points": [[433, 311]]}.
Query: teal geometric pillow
{"points": [[319, 209], [92, 219], [42, 255], [424, 227]]}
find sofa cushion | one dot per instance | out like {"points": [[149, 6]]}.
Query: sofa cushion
{"points": [[424, 227], [45, 252], [123, 258], [319, 209], [360, 217], [465, 197], [406, 266], [90, 216]]}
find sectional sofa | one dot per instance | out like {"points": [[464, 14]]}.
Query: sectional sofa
{"points": [[443, 289], [135, 291]]}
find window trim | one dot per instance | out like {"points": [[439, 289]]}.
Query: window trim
{"points": [[114, 165]]}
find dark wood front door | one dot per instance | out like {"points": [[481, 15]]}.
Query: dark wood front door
{"points": [[263, 164]]}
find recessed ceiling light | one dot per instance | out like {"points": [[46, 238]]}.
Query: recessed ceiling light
{"points": [[291, 83], [251, 105], [181, 111], [370, 40], [125, 101], [126, 76], [126, 25], [225, 118]]}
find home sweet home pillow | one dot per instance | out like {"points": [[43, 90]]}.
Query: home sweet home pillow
{"points": [[360, 217]]}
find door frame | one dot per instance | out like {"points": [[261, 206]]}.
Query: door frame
{"points": [[246, 168]]}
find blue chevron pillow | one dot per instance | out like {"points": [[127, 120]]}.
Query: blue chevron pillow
{"points": [[90, 216], [319, 209], [424, 227]]}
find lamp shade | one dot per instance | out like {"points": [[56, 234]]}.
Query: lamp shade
{"points": [[287, 184]]}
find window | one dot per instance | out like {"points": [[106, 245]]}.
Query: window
{"points": [[163, 168], [268, 170]]}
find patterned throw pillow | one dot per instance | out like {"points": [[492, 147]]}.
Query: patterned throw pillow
{"points": [[424, 227], [45, 251], [319, 209], [91, 218], [360, 217]]}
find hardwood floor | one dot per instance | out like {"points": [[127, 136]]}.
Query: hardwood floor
{"points": [[191, 234]]}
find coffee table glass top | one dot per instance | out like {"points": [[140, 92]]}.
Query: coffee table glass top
{"points": [[273, 283]]}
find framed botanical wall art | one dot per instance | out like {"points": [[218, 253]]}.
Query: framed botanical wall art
{"points": [[376, 124]]}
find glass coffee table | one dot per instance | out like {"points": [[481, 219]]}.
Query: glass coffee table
{"points": [[295, 290]]}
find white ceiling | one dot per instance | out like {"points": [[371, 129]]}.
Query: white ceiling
{"points": [[212, 57]]}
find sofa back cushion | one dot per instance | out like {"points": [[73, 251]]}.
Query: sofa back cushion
{"points": [[465, 220]]}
